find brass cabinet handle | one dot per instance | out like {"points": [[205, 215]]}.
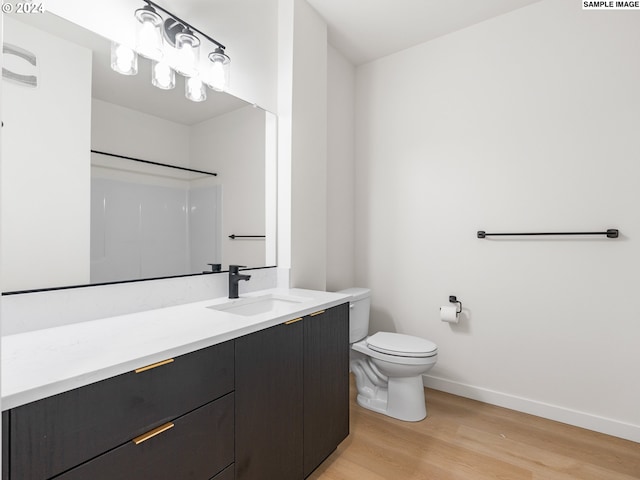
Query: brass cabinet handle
{"points": [[153, 365], [289, 322], [156, 431], [317, 313]]}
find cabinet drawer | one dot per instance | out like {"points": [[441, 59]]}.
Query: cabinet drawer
{"points": [[52, 435], [199, 445]]}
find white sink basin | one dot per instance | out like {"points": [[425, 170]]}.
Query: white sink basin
{"points": [[249, 306]]}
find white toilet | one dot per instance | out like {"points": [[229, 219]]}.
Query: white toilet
{"points": [[388, 366]]}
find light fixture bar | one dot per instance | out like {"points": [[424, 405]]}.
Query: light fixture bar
{"points": [[187, 24]]}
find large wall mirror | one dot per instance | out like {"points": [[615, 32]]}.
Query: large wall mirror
{"points": [[77, 206]]}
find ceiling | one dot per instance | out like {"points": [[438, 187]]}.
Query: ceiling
{"points": [[364, 30]]}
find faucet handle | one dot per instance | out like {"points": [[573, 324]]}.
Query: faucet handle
{"points": [[233, 269]]}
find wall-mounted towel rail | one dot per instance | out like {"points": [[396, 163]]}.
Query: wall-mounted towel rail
{"points": [[610, 233], [234, 236]]}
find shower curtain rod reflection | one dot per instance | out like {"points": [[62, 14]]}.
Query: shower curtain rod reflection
{"points": [[154, 163], [610, 233]]}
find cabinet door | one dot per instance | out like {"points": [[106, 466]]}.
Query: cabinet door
{"points": [[195, 446], [326, 384], [269, 404], [5, 445]]}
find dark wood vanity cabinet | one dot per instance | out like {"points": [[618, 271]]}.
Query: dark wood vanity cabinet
{"points": [[270, 405], [292, 396], [56, 436]]}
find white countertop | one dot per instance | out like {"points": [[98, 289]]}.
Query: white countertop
{"points": [[46, 362]]}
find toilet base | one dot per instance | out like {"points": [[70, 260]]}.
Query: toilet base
{"points": [[397, 397], [406, 399], [403, 400]]}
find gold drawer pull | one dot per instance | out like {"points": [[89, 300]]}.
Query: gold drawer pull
{"points": [[293, 321], [156, 431], [153, 365], [317, 313]]}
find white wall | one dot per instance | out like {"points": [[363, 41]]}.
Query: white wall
{"points": [[232, 143], [45, 153], [308, 148], [123, 131], [285, 122], [527, 122], [340, 171]]}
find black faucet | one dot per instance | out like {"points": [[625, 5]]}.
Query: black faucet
{"points": [[234, 278]]}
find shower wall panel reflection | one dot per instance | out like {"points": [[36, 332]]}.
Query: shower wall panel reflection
{"points": [[149, 221]]}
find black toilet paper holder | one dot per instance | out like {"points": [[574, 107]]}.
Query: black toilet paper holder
{"points": [[453, 299]]}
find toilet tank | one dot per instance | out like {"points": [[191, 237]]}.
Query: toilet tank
{"points": [[359, 307]]}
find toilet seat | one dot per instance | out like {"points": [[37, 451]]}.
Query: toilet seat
{"points": [[401, 345], [364, 348]]}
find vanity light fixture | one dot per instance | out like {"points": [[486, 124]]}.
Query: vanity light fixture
{"points": [[217, 76], [162, 75], [124, 59], [173, 47], [148, 34], [187, 54], [194, 89]]}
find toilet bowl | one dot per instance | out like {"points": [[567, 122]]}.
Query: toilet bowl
{"points": [[388, 367]]}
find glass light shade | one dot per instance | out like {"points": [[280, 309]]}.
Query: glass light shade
{"points": [[194, 89], [148, 33], [187, 54], [217, 75], [162, 75], [123, 59]]}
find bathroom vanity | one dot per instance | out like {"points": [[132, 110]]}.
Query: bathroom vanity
{"points": [[255, 388]]}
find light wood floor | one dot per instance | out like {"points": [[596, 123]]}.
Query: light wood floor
{"points": [[469, 440]]}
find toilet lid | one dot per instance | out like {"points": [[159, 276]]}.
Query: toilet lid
{"points": [[401, 345]]}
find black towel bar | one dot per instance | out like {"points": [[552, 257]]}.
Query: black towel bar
{"points": [[610, 233], [233, 236]]}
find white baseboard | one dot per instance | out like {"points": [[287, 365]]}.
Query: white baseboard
{"points": [[553, 412]]}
